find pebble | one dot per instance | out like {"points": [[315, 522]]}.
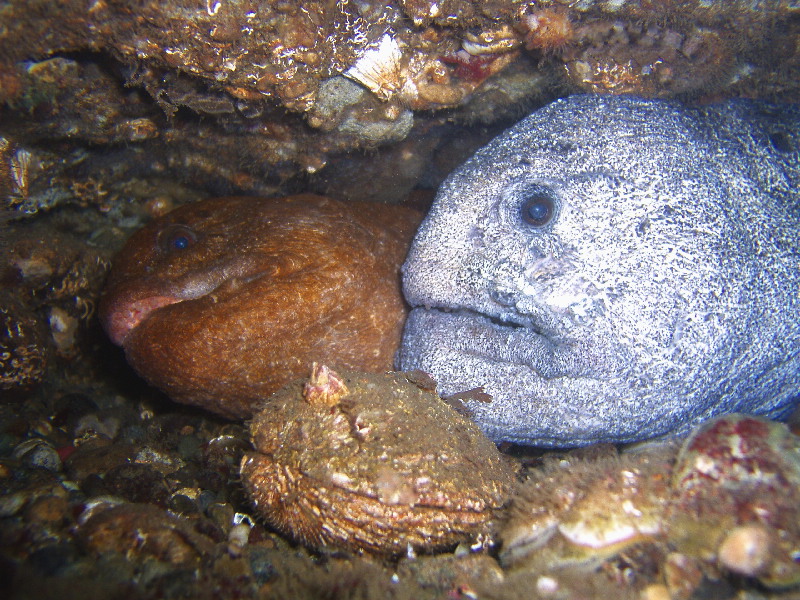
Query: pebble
{"points": [[137, 483], [746, 550], [37, 452], [140, 530], [48, 509]]}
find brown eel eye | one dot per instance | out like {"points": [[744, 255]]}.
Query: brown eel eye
{"points": [[175, 238]]}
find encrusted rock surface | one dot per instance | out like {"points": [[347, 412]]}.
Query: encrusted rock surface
{"points": [[239, 95]]}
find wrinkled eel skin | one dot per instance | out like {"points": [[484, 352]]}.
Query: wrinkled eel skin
{"points": [[614, 269], [222, 301]]}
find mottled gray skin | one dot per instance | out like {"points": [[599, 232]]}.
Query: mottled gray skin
{"points": [[664, 290]]}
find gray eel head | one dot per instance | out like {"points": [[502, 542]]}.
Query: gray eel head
{"points": [[614, 269]]}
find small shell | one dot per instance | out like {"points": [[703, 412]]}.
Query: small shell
{"points": [[493, 41], [613, 512]]}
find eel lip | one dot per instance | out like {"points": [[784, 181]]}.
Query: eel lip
{"points": [[540, 325], [124, 317], [120, 315], [432, 331]]}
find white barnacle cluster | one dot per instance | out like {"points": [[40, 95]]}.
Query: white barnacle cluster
{"points": [[379, 68]]}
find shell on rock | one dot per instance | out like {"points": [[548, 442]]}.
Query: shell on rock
{"points": [[372, 463], [576, 511], [491, 41]]}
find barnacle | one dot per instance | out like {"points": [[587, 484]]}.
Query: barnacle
{"points": [[547, 29], [621, 58], [379, 68]]}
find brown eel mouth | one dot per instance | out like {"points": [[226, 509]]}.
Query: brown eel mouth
{"points": [[120, 315], [127, 315]]}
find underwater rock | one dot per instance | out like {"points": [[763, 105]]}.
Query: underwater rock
{"points": [[88, 77], [615, 269], [51, 280], [722, 505], [221, 302], [737, 498], [372, 463], [575, 512], [429, 54], [142, 530], [24, 346]]}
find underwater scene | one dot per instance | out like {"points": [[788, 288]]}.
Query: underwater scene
{"points": [[430, 300]]}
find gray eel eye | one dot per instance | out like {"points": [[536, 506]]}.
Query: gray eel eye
{"points": [[781, 141], [538, 208]]}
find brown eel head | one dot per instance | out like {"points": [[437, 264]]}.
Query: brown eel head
{"points": [[221, 302]]}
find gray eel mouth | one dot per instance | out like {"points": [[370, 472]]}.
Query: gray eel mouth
{"points": [[491, 339], [527, 325], [542, 325]]}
